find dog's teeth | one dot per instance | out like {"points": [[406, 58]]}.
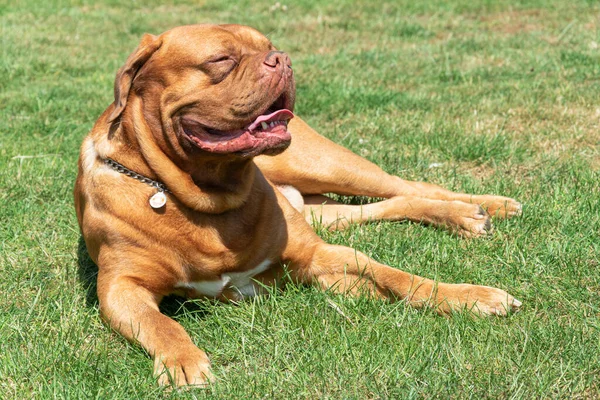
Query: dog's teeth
{"points": [[272, 124], [264, 126]]}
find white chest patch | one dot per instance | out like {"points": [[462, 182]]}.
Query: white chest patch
{"points": [[88, 155], [240, 281], [293, 195]]}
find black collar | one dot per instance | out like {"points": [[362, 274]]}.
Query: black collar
{"points": [[126, 171]]}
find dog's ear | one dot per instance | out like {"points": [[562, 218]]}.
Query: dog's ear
{"points": [[127, 72]]}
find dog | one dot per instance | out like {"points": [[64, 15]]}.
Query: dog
{"points": [[199, 181]]}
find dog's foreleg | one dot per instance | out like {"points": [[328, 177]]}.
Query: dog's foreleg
{"points": [[132, 310], [349, 271]]}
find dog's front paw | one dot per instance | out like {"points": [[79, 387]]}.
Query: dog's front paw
{"points": [[189, 367], [480, 300]]}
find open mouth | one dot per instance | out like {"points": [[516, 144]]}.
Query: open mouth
{"points": [[267, 134]]}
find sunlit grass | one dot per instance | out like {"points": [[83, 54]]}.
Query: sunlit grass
{"points": [[478, 96]]}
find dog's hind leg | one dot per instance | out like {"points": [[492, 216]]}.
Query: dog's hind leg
{"points": [[468, 220], [315, 165]]}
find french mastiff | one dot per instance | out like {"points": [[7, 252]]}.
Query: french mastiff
{"points": [[184, 188]]}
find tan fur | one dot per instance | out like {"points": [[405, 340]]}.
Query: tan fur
{"points": [[223, 217]]}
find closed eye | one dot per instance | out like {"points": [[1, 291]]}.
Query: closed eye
{"points": [[219, 67], [220, 59]]}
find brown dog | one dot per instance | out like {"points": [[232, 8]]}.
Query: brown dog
{"points": [[170, 198]]}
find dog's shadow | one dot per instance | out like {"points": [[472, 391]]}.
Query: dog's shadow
{"points": [[87, 270]]}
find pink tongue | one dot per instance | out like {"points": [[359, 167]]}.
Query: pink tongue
{"points": [[279, 115]]}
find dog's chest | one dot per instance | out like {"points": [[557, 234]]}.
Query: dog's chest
{"points": [[239, 283]]}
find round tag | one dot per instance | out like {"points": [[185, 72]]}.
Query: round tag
{"points": [[158, 200]]}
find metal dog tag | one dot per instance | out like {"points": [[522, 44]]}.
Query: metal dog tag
{"points": [[158, 200]]}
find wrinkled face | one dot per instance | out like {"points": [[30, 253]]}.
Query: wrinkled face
{"points": [[225, 90]]}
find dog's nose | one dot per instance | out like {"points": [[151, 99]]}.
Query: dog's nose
{"points": [[276, 59]]}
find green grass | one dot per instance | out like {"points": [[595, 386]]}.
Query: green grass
{"points": [[503, 96]]}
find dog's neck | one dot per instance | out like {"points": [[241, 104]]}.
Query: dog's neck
{"points": [[209, 187]]}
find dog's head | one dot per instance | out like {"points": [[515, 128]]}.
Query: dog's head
{"points": [[210, 89]]}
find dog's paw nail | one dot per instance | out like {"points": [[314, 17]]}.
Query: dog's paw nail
{"points": [[519, 210], [516, 303], [488, 225]]}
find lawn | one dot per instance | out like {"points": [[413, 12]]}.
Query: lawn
{"points": [[476, 95]]}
